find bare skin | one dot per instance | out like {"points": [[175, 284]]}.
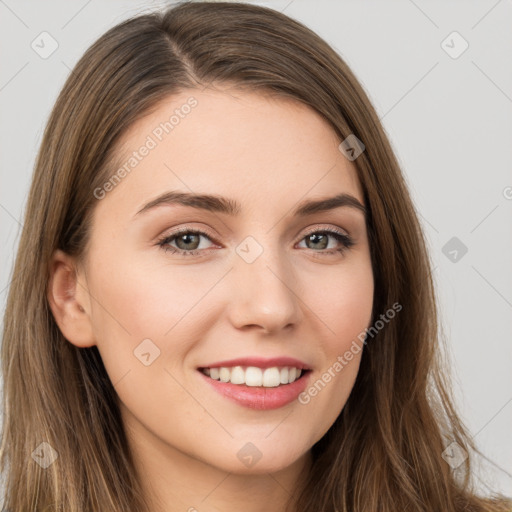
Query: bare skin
{"points": [[299, 298]]}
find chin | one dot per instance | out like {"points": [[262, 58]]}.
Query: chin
{"points": [[256, 459]]}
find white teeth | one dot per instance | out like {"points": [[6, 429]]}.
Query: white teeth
{"points": [[254, 376], [224, 375], [237, 375], [271, 377]]}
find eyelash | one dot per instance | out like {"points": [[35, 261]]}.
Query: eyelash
{"points": [[345, 240]]}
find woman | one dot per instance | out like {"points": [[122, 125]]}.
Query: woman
{"points": [[229, 294]]}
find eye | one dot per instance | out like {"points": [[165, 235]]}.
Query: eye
{"points": [[188, 241], [319, 239]]}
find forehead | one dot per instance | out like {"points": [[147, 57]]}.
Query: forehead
{"points": [[246, 145]]}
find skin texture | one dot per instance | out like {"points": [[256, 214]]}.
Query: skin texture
{"points": [[293, 300]]}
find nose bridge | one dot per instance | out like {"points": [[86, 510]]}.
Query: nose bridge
{"points": [[263, 282]]}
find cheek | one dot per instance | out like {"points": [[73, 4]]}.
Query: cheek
{"points": [[344, 304], [141, 301], [137, 313], [153, 313]]}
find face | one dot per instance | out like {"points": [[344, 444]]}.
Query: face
{"points": [[177, 291]]}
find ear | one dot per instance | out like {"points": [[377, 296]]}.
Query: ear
{"points": [[69, 300]]}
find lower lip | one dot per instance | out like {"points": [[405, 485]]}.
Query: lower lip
{"points": [[259, 397]]}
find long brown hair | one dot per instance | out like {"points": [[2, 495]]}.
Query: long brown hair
{"points": [[384, 451]]}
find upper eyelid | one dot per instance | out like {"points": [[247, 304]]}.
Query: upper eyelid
{"points": [[325, 228]]}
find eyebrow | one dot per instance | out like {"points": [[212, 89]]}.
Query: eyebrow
{"points": [[219, 204]]}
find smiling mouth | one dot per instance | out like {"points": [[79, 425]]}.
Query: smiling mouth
{"points": [[252, 376]]}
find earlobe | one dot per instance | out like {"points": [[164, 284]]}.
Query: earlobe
{"points": [[69, 300]]}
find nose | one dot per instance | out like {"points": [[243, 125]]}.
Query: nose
{"points": [[264, 294]]}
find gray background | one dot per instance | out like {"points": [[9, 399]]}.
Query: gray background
{"points": [[449, 121]]}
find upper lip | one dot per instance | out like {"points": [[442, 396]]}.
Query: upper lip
{"points": [[260, 362]]}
